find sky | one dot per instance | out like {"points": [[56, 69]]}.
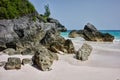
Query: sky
{"points": [[75, 14]]}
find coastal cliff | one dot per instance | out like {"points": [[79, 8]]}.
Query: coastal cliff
{"points": [[24, 33]]}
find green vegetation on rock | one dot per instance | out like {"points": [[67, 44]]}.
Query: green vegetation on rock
{"points": [[10, 9], [44, 17], [47, 11]]}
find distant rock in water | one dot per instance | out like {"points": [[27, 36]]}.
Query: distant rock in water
{"points": [[90, 33]]}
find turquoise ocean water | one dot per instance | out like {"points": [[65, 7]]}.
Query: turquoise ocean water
{"points": [[115, 33]]}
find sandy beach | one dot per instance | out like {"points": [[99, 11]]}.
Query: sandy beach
{"points": [[103, 64]]}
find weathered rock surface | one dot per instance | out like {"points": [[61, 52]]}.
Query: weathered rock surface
{"points": [[54, 42], [13, 63], [25, 36], [90, 33], [44, 58], [23, 33], [20, 30], [9, 51], [68, 45], [27, 61], [59, 26], [84, 52], [2, 63]]}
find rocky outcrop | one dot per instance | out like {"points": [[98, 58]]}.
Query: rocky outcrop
{"points": [[58, 25], [20, 30], [27, 37], [44, 58], [54, 42], [84, 52], [13, 63], [22, 33], [90, 33]]}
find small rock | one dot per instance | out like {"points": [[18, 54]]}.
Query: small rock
{"points": [[9, 51], [27, 61], [28, 51], [13, 63], [84, 52]]}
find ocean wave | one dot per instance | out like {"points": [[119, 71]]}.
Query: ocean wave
{"points": [[116, 40], [115, 33]]}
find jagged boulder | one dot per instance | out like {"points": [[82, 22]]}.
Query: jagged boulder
{"points": [[54, 42], [90, 33], [68, 45], [19, 31], [84, 52], [13, 63], [44, 58]]}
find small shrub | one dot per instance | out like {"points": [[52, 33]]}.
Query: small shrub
{"points": [[34, 18]]}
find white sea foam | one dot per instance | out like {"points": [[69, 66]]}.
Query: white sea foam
{"points": [[116, 40]]}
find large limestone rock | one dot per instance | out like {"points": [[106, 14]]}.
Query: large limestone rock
{"points": [[90, 33], [13, 63], [84, 52], [44, 58], [22, 33], [20, 30]]}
